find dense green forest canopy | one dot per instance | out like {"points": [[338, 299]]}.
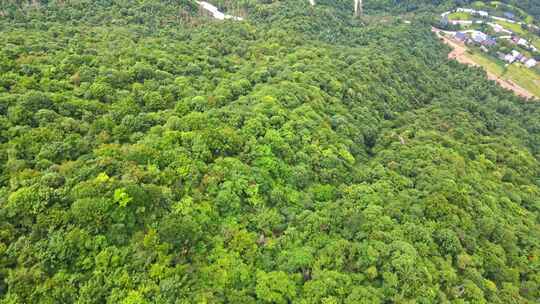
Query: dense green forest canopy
{"points": [[152, 155], [382, 6], [530, 6], [149, 12]]}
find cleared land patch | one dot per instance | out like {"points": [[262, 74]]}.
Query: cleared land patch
{"points": [[522, 81]]}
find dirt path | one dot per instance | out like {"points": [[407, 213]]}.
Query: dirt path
{"points": [[510, 85], [460, 54]]}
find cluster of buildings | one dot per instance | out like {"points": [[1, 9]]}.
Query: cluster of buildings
{"points": [[524, 43], [485, 41], [516, 56], [475, 37]]}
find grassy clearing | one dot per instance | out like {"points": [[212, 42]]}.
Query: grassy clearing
{"points": [[514, 27], [524, 77], [517, 73], [479, 5], [460, 16], [489, 64]]}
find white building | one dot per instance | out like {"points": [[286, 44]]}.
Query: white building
{"points": [[482, 13], [523, 42], [473, 12], [509, 58], [530, 63], [465, 10], [497, 28], [479, 36]]}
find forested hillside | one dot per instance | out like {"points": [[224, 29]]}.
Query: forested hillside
{"points": [[152, 155], [531, 6]]}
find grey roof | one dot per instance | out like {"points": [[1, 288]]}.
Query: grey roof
{"points": [[461, 36]]}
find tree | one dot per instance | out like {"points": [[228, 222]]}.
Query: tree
{"points": [[275, 287]]}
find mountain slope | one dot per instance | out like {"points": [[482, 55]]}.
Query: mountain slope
{"points": [[298, 157]]}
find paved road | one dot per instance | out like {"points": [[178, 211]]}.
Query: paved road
{"points": [[215, 11]]}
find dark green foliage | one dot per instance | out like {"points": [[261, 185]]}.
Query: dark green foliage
{"points": [[299, 157]]}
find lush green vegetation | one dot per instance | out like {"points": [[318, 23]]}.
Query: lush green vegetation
{"points": [[488, 62], [148, 155], [526, 10], [527, 78], [529, 6], [516, 28], [460, 16]]}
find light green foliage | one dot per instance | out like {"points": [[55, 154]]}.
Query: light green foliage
{"points": [[121, 197], [151, 155], [275, 287]]}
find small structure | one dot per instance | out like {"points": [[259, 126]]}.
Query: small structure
{"points": [[497, 28], [473, 12], [460, 36], [358, 8], [509, 15], [465, 10], [531, 63], [444, 20], [479, 37], [484, 49], [516, 54], [482, 13], [523, 59], [509, 58], [489, 42], [515, 39], [523, 42]]}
